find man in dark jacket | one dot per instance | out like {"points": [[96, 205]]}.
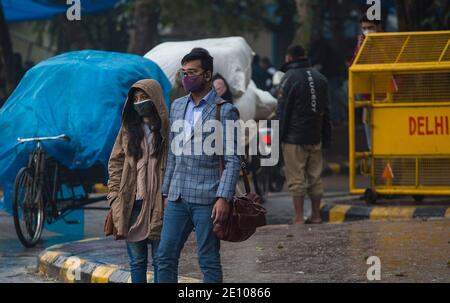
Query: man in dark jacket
{"points": [[305, 129]]}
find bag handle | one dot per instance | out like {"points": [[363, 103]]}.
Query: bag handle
{"points": [[221, 160]]}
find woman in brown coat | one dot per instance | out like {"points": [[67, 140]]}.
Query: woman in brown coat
{"points": [[136, 170]]}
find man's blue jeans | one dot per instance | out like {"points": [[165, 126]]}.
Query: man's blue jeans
{"points": [[138, 252], [180, 218]]}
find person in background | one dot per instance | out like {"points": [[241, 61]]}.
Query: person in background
{"points": [[136, 169], [258, 74], [267, 66], [222, 88], [269, 71], [305, 129], [367, 27], [276, 80]]}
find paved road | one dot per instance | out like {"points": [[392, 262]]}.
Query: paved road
{"points": [[17, 264], [407, 251]]}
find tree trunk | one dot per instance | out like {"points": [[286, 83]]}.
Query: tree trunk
{"points": [[145, 34], [308, 12], [411, 14], [6, 52]]}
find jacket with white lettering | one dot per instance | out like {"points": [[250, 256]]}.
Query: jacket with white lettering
{"points": [[303, 108]]}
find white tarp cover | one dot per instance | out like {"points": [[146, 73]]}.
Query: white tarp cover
{"points": [[232, 59], [255, 103]]}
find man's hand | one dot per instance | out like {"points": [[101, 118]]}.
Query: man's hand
{"points": [[164, 202], [360, 40], [220, 211]]}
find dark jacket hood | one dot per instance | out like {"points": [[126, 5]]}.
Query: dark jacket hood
{"points": [[298, 63]]}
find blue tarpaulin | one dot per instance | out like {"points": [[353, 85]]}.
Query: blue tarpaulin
{"points": [[80, 94], [24, 10]]}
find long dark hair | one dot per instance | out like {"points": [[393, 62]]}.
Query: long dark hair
{"points": [[133, 125]]}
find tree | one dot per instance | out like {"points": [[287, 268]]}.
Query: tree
{"points": [[6, 53], [135, 26], [423, 15], [283, 24], [195, 19], [145, 33], [309, 12], [103, 31]]}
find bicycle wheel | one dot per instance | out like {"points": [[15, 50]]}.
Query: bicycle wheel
{"points": [[28, 208]]}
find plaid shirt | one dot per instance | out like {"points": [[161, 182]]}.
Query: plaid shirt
{"points": [[196, 178]]}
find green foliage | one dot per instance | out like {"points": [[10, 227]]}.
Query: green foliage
{"points": [[214, 17], [196, 18], [437, 16], [423, 15]]}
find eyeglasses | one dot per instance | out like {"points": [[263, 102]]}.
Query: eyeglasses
{"points": [[189, 73]]}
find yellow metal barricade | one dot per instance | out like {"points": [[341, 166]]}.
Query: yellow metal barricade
{"points": [[402, 83]]}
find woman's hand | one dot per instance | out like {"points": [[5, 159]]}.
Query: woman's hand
{"points": [[164, 202]]}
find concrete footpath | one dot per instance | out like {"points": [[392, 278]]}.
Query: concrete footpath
{"points": [[410, 251]]}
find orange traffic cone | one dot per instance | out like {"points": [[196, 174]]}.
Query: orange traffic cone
{"points": [[388, 175], [393, 87]]}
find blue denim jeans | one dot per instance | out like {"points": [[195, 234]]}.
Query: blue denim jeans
{"points": [[180, 218], [138, 252]]}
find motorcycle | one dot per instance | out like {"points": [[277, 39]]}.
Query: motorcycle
{"points": [[266, 178]]}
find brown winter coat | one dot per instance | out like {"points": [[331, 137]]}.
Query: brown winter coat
{"points": [[122, 169]]}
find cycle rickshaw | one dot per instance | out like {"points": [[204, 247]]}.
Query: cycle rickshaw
{"points": [[58, 129]]}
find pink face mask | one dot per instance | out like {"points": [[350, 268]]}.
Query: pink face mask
{"points": [[220, 87]]}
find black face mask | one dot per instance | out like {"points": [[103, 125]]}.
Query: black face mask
{"points": [[145, 108]]}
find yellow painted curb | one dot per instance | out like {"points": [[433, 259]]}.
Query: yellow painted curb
{"points": [[100, 188], [188, 280], [102, 273], [68, 272], [47, 259], [87, 240], [151, 276], [337, 213], [390, 213], [335, 167]]}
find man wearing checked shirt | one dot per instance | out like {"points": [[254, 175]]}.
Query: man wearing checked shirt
{"points": [[193, 113], [196, 196]]}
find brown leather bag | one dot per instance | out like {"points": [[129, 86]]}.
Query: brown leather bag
{"points": [[246, 212]]}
